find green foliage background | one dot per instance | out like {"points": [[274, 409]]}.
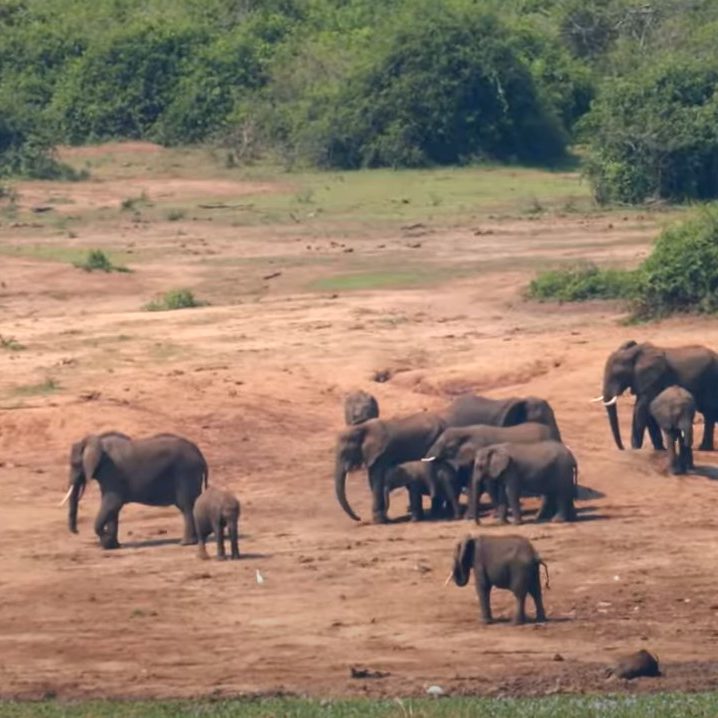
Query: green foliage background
{"points": [[357, 83]]}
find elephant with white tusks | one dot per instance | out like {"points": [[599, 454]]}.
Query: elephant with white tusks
{"points": [[162, 470], [647, 369], [380, 444]]}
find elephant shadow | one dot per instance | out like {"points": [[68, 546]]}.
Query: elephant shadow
{"points": [[708, 472], [151, 543]]}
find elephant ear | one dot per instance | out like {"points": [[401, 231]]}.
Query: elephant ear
{"points": [[91, 456], [514, 413], [375, 441], [498, 462], [650, 368]]}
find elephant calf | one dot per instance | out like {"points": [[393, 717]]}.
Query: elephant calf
{"points": [[360, 406], [421, 479], [546, 468], [509, 562], [215, 510], [674, 410]]}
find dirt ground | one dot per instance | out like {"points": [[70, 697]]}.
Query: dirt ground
{"points": [[258, 383]]}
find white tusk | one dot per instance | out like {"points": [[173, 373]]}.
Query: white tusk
{"points": [[448, 578], [67, 496], [597, 399], [427, 459], [611, 402]]}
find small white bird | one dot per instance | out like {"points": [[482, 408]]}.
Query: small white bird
{"points": [[260, 578]]}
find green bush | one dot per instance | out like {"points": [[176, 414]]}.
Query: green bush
{"points": [[654, 134], [98, 261], [173, 299], [444, 85], [681, 273], [583, 282]]}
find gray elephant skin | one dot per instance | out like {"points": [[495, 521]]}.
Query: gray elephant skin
{"points": [[379, 444], [420, 479], [647, 369], [545, 468], [508, 562], [162, 470], [360, 406], [214, 511], [674, 410]]}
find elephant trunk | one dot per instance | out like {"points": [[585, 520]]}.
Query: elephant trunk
{"points": [[340, 480], [77, 490], [612, 412], [687, 431]]}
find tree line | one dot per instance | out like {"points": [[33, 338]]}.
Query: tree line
{"points": [[357, 83]]}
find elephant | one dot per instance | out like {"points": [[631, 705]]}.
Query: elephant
{"points": [[359, 406], [546, 468], [379, 444], [674, 410], [509, 562], [647, 369], [214, 510], [162, 470], [421, 480]]}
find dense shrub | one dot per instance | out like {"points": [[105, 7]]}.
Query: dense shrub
{"points": [[654, 135], [173, 299], [681, 273]]}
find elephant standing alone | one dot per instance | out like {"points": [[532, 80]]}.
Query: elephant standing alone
{"points": [[162, 470]]}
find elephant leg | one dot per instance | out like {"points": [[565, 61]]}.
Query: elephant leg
{"points": [[202, 547], [483, 589], [674, 459], [654, 431], [520, 615], [415, 503], [107, 521], [219, 536], [708, 425], [548, 508], [446, 489], [566, 511], [234, 540], [535, 591], [512, 494], [688, 458], [376, 482], [190, 534], [640, 419]]}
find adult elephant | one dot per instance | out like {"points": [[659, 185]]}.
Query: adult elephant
{"points": [[647, 369], [380, 444], [162, 470]]}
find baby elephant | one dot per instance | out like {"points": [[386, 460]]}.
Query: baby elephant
{"points": [[215, 510], [505, 562], [674, 409], [421, 479], [545, 468], [360, 406]]}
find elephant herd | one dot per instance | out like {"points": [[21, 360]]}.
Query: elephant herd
{"points": [[507, 448], [513, 447]]}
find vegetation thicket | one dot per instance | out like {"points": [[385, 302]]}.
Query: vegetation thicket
{"points": [[355, 83]]}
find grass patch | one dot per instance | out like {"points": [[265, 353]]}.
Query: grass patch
{"points": [[582, 282], [173, 299], [134, 203], [675, 705], [97, 261], [11, 344], [175, 215], [48, 386]]}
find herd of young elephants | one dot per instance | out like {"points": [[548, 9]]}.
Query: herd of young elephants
{"points": [[508, 448]]}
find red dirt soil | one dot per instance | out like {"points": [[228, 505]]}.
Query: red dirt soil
{"points": [[259, 386]]}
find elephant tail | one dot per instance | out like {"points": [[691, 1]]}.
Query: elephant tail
{"points": [[543, 563], [205, 475]]}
